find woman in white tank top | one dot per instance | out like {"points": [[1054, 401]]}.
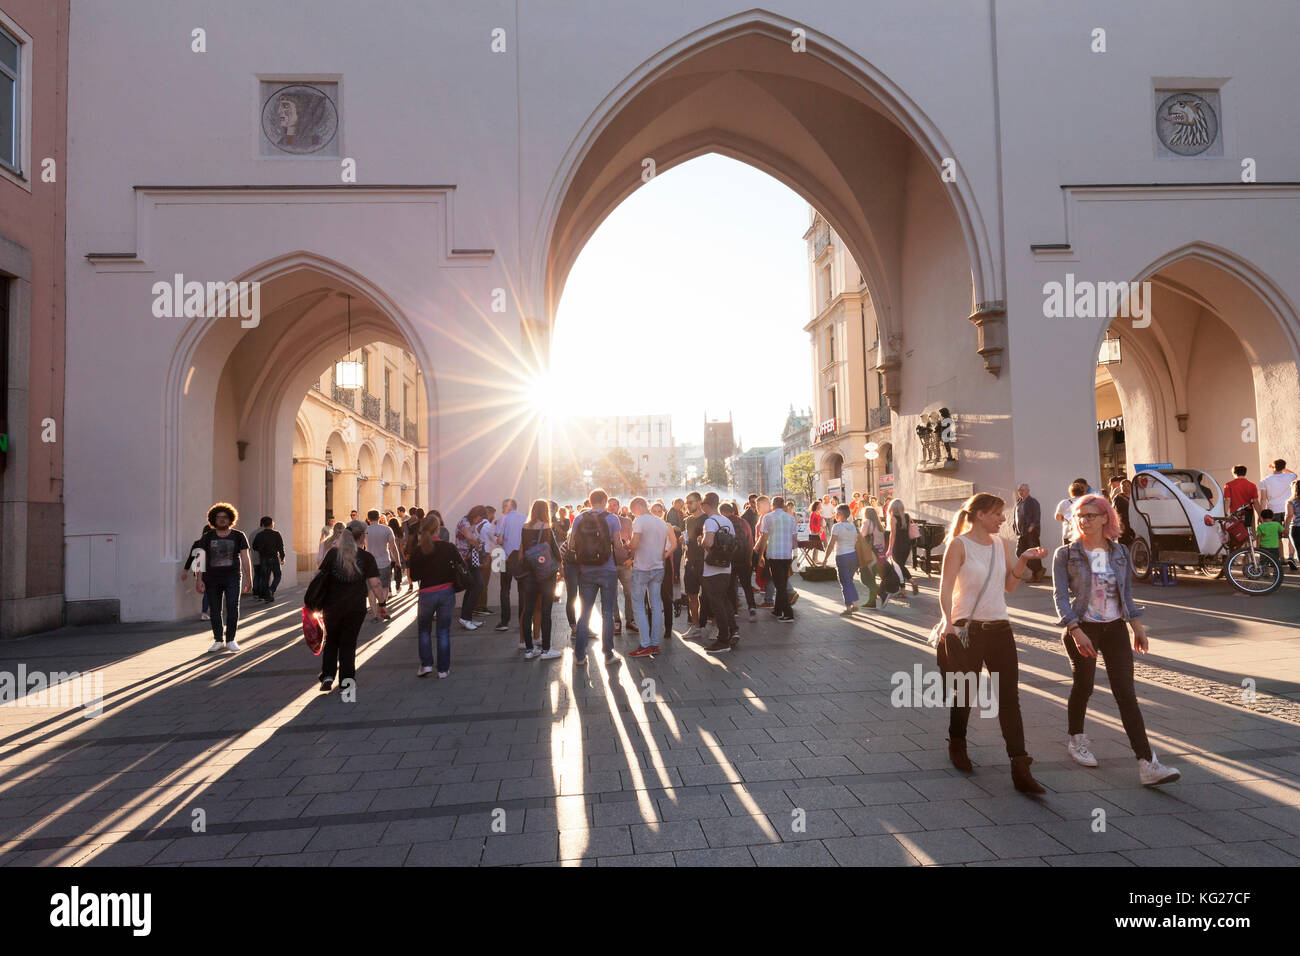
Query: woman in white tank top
{"points": [[978, 573]]}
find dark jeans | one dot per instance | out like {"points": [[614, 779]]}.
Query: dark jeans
{"points": [[742, 573], [593, 581], [778, 569], [512, 565], [534, 594], [666, 596], [266, 577], [717, 588], [1023, 544], [224, 592], [1110, 641], [340, 650], [436, 610], [571, 594], [470, 601], [994, 648]]}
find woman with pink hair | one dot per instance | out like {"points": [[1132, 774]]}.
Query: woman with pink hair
{"points": [[1092, 580]]}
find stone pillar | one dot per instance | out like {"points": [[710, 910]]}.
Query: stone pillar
{"points": [[308, 513], [345, 493]]}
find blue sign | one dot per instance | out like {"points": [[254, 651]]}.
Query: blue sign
{"points": [[1152, 467]]}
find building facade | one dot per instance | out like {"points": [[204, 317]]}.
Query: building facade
{"points": [[749, 473], [306, 168], [647, 440], [796, 437], [34, 432], [719, 446]]}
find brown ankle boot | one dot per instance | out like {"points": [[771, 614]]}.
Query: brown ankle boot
{"points": [[957, 754], [1022, 778]]}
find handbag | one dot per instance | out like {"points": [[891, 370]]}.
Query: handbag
{"points": [[313, 630], [913, 530], [963, 630], [460, 572]]}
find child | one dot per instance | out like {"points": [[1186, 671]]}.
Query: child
{"points": [[1269, 535]]}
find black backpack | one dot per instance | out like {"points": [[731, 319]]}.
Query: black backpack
{"points": [[725, 543], [592, 545], [318, 591]]}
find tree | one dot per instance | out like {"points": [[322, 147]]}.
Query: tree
{"points": [[715, 474], [799, 472], [616, 473]]}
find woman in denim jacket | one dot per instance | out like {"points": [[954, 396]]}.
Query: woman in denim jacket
{"points": [[1092, 580]]}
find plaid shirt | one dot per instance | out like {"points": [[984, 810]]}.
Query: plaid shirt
{"points": [[779, 526]]}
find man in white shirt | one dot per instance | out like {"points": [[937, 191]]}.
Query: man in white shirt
{"points": [[382, 545], [509, 532], [1065, 508], [1275, 492], [649, 548], [777, 533]]}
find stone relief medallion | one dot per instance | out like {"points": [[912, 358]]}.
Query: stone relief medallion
{"points": [[1186, 124], [300, 119]]}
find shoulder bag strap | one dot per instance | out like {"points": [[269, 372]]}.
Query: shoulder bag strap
{"points": [[987, 578]]}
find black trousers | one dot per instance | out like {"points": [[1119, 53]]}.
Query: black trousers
{"points": [[666, 595], [778, 569], [1023, 544], [994, 648], [571, 593], [1110, 639], [340, 650], [532, 594], [742, 573], [717, 587], [512, 567]]}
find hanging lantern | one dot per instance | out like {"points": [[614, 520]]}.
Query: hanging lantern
{"points": [[349, 373], [1109, 354]]}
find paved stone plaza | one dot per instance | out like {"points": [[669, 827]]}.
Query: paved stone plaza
{"points": [[514, 762]]}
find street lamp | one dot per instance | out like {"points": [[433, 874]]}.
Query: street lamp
{"points": [[586, 478], [873, 452]]}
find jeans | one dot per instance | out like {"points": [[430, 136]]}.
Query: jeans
{"points": [[534, 594], [648, 584], [571, 594], [435, 609], [847, 566], [340, 650], [590, 582], [1023, 544], [512, 565], [717, 587], [266, 577], [778, 569], [226, 587], [994, 648], [743, 574], [470, 601], [1111, 642]]}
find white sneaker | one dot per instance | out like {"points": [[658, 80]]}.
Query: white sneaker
{"points": [[522, 646], [471, 625], [216, 646], [533, 654], [1080, 748], [233, 646], [205, 616], [424, 671], [441, 674], [690, 632], [552, 654], [1152, 773]]}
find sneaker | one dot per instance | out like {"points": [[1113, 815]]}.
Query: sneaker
{"points": [[719, 647], [471, 625], [205, 616], [424, 671], [789, 619], [552, 654], [752, 613], [441, 674], [1152, 773], [233, 646], [532, 653], [847, 612], [216, 646], [1080, 748], [503, 627], [690, 633], [767, 604], [884, 600], [522, 645], [735, 641], [326, 683], [633, 628], [794, 598], [650, 651]]}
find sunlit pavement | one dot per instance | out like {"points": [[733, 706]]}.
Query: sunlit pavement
{"points": [[785, 752]]}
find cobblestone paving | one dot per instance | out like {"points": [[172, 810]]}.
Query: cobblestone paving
{"points": [[786, 752]]}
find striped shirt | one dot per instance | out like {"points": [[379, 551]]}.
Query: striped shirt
{"points": [[779, 526]]}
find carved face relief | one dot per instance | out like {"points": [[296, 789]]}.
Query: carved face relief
{"points": [[1187, 124]]}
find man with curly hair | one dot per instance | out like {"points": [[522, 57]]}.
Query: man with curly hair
{"points": [[225, 556]]}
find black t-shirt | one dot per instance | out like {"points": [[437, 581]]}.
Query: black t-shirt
{"points": [[694, 528], [674, 518], [269, 543], [435, 567], [222, 558], [348, 595]]}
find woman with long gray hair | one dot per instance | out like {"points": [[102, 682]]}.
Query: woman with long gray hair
{"points": [[900, 542], [352, 574]]}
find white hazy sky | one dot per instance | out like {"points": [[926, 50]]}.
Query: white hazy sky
{"points": [[696, 288]]}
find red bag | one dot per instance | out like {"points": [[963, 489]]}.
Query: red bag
{"points": [[313, 630], [760, 574]]}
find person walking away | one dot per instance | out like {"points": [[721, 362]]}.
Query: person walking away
{"points": [[396, 525], [718, 538], [977, 575], [1274, 490], [1065, 507], [225, 554], [592, 543], [1240, 493], [270, 553], [354, 576], [469, 544], [382, 545], [535, 594], [742, 568], [1092, 587], [433, 564], [651, 546], [844, 540], [900, 541], [509, 530], [777, 532], [1026, 525], [197, 546]]}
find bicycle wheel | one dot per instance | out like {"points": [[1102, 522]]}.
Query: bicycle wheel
{"points": [[1140, 555], [1262, 577]]}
